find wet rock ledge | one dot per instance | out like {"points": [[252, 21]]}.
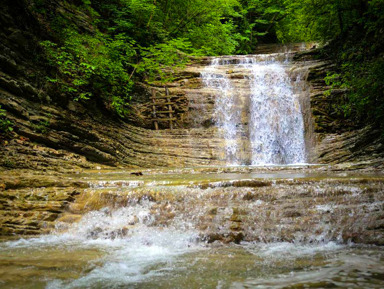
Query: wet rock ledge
{"points": [[30, 204], [312, 209], [323, 204]]}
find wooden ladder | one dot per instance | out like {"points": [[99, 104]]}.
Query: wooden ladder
{"points": [[168, 108]]}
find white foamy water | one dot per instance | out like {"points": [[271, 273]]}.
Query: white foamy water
{"points": [[273, 124], [226, 114], [104, 250], [273, 252], [130, 254], [276, 122], [145, 254]]}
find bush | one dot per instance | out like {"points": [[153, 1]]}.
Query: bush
{"points": [[91, 67], [158, 62]]}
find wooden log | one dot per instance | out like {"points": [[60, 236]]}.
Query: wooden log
{"points": [[169, 108], [154, 108], [160, 97], [162, 103], [167, 111], [163, 119]]}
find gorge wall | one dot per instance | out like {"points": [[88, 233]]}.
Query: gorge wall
{"points": [[336, 139]]}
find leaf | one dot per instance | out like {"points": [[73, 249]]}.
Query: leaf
{"points": [[261, 21]]}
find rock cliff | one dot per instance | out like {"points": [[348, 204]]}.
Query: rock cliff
{"points": [[335, 139]]}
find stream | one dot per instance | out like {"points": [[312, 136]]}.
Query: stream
{"points": [[212, 227]]}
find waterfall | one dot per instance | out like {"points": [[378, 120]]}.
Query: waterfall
{"points": [[260, 89], [226, 112], [276, 122]]}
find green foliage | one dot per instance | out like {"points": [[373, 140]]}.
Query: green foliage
{"points": [[364, 85], [213, 27], [359, 52], [309, 20], [7, 163], [354, 29], [333, 80], [257, 22], [6, 126], [224, 41], [92, 65], [325, 20], [146, 39], [366, 96], [42, 126], [136, 40], [158, 62]]}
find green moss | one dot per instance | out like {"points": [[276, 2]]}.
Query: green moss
{"points": [[6, 126]]}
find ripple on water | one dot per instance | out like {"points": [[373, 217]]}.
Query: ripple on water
{"points": [[153, 257]]}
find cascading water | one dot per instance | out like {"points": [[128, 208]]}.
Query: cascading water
{"points": [[259, 88], [276, 122], [226, 114], [177, 229]]}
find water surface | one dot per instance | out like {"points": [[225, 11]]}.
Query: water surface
{"points": [[149, 231]]}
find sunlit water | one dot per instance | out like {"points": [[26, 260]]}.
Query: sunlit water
{"points": [[126, 243]]}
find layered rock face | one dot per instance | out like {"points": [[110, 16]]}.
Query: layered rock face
{"points": [[312, 204], [29, 205], [328, 137], [312, 209], [63, 136], [334, 139], [54, 133], [57, 137]]}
